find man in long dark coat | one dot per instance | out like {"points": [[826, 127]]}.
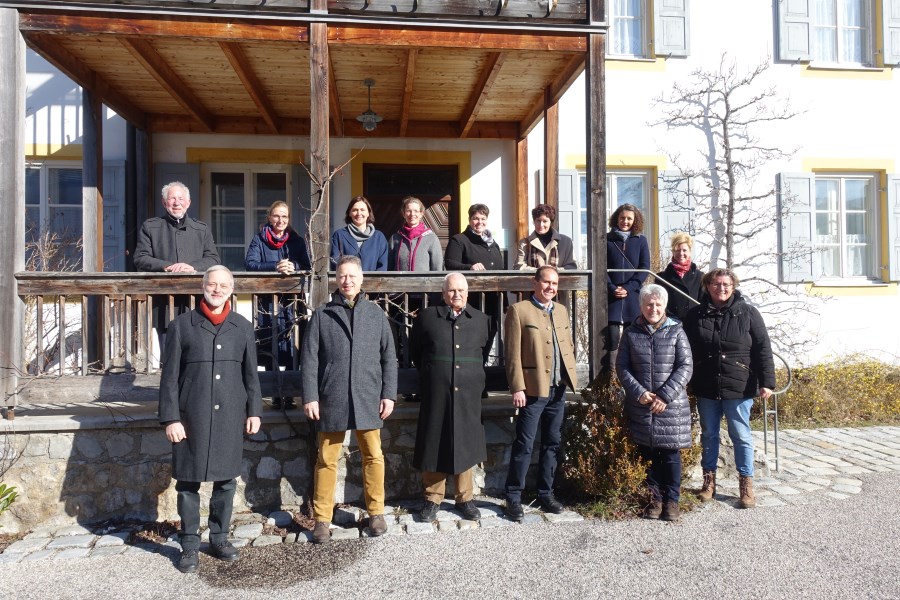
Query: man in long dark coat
{"points": [[349, 382], [208, 398], [449, 346]]}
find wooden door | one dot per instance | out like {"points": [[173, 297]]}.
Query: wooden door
{"points": [[437, 186]]}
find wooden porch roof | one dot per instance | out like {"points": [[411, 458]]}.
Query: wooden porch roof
{"points": [[197, 71]]}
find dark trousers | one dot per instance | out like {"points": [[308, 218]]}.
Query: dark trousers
{"points": [[664, 472], [548, 412], [220, 507]]}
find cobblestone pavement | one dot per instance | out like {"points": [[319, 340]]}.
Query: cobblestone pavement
{"points": [[816, 464]]}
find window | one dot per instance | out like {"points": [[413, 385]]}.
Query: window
{"points": [[238, 200], [630, 26], [839, 32], [622, 187], [832, 225], [844, 243], [53, 217]]}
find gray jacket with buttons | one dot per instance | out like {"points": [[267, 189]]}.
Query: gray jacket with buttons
{"points": [[659, 362], [209, 383]]}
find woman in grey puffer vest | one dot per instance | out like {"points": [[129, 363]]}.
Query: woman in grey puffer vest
{"points": [[654, 365]]}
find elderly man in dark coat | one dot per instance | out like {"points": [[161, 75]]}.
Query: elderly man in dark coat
{"points": [[208, 398], [349, 382], [175, 243], [449, 345]]}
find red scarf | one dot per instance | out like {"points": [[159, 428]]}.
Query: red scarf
{"points": [[273, 240], [215, 319], [681, 268]]}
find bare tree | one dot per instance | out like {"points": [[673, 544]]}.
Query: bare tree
{"points": [[734, 211]]}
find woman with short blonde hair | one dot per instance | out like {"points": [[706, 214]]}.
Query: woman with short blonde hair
{"points": [[681, 277]]}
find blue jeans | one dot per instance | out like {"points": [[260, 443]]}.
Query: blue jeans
{"points": [[548, 412], [737, 416]]}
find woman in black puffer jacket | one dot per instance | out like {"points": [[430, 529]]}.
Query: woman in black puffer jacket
{"points": [[654, 365], [733, 363]]}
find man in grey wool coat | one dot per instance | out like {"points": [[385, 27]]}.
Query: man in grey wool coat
{"points": [[349, 382]]}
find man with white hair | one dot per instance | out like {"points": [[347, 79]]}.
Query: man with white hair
{"points": [[175, 243], [209, 397], [449, 345]]}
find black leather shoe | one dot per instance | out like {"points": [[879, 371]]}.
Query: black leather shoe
{"points": [[549, 504], [276, 403], [224, 551], [514, 510], [189, 561], [468, 510], [428, 512]]}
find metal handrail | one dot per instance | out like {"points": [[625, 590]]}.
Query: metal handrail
{"points": [[767, 412]]}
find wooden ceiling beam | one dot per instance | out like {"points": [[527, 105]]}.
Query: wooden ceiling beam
{"points": [[242, 68], [162, 26], [162, 72], [553, 93], [158, 123], [50, 48], [408, 84], [334, 101], [442, 38], [485, 82]]}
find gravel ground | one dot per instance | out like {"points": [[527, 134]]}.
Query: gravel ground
{"points": [[833, 549]]}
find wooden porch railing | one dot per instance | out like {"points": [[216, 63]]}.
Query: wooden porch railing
{"points": [[55, 370]]}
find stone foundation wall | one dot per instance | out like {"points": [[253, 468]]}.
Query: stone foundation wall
{"points": [[122, 470]]}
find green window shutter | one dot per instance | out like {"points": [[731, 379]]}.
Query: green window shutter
{"points": [[891, 42], [794, 33], [188, 174], [675, 206], [893, 227], [796, 195], [671, 27]]}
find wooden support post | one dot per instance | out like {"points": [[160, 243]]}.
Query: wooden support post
{"points": [[319, 234], [596, 191], [551, 150], [92, 218], [12, 195], [522, 223], [131, 195]]}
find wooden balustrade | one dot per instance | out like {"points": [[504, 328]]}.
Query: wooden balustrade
{"points": [[56, 307]]}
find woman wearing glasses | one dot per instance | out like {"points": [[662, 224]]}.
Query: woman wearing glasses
{"points": [[733, 363]]}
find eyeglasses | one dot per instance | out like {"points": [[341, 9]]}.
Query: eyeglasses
{"points": [[722, 286]]}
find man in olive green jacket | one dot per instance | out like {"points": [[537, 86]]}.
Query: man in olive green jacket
{"points": [[540, 363]]}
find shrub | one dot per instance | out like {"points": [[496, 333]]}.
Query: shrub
{"points": [[602, 466], [853, 389], [8, 495]]}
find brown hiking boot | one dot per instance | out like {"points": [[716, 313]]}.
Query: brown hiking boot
{"points": [[747, 500], [321, 532], [653, 509], [670, 511], [708, 491]]}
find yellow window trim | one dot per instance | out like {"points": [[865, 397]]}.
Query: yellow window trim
{"points": [[462, 159], [53, 151], [880, 167], [846, 291], [853, 72], [272, 156]]}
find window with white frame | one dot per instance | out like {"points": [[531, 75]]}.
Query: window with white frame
{"points": [[53, 216], [834, 32], [832, 226], [631, 21], [845, 226], [238, 199]]}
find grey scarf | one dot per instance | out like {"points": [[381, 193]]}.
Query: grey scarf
{"points": [[360, 236]]}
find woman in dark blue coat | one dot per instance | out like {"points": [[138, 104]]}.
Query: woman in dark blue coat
{"points": [[654, 366], [278, 248], [360, 238], [626, 249]]}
